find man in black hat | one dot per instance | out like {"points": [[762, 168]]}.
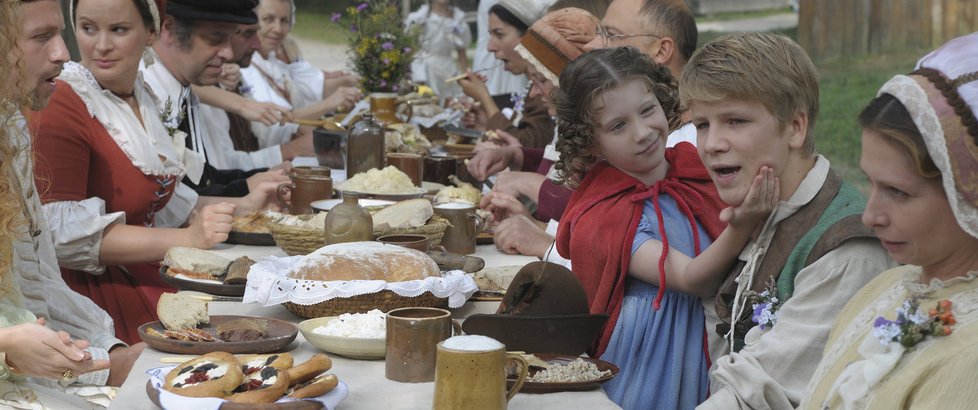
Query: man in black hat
{"points": [[195, 41]]}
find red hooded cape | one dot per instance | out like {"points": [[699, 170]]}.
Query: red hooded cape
{"points": [[599, 224]]}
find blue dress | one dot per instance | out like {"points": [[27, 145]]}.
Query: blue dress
{"points": [[660, 354]]}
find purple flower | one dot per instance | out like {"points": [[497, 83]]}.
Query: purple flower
{"points": [[387, 45], [387, 61], [383, 83], [394, 88], [362, 7], [886, 330], [353, 28], [763, 315], [407, 49], [336, 17]]}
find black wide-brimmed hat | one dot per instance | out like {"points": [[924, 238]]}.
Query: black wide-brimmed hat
{"points": [[226, 11], [545, 310]]}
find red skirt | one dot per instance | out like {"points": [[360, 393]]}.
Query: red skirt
{"points": [[129, 298]]}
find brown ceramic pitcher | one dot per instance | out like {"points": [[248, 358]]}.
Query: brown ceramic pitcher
{"points": [[464, 227], [413, 334]]}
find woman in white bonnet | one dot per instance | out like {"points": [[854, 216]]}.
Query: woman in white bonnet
{"points": [[907, 339]]}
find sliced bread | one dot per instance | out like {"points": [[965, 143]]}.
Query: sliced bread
{"points": [[181, 312], [181, 259], [405, 214]]}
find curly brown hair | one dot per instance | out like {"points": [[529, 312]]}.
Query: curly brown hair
{"points": [[587, 78]]}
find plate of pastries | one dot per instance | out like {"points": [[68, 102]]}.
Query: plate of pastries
{"points": [[247, 382]]}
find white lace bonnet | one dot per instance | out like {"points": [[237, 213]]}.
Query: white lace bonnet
{"points": [[942, 98]]}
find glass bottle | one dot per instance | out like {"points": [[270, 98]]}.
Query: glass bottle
{"points": [[348, 222], [365, 146]]}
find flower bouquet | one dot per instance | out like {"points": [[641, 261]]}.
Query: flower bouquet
{"points": [[381, 50]]}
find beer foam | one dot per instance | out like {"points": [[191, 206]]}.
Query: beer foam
{"points": [[472, 343]]}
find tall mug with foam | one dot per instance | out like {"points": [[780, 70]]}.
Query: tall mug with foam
{"points": [[470, 373]]}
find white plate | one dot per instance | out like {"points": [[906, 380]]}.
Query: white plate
{"points": [[327, 204]]}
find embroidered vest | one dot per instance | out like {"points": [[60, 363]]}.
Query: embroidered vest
{"points": [[830, 219]]}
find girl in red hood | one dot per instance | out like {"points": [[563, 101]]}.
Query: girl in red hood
{"points": [[640, 214]]}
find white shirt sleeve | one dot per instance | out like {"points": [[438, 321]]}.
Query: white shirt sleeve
{"points": [[308, 81], [273, 135], [77, 228], [220, 148], [773, 369]]}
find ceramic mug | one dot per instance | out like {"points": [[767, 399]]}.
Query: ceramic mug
{"points": [[413, 334], [438, 169], [471, 374], [305, 170], [305, 190], [464, 227], [416, 242], [410, 164]]}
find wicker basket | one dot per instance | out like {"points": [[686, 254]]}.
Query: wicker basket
{"points": [[305, 239], [384, 300]]}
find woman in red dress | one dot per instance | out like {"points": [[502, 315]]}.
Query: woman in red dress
{"points": [[107, 169]]}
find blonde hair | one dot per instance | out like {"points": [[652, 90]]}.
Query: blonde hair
{"points": [[767, 68], [12, 94]]}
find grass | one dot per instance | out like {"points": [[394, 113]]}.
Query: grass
{"points": [[315, 25], [846, 86], [737, 15]]}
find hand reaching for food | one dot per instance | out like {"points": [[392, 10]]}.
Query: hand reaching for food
{"points": [[211, 226]]}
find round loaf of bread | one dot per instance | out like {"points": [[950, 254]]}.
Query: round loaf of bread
{"points": [[365, 261]]}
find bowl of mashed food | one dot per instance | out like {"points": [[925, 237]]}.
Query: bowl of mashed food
{"points": [[353, 335], [388, 184]]}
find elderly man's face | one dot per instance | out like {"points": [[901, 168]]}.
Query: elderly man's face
{"points": [[623, 17], [244, 44], [42, 48], [210, 48]]}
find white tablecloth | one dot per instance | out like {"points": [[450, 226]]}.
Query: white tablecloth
{"points": [[369, 389]]}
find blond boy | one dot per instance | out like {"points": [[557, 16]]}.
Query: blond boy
{"points": [[754, 102]]}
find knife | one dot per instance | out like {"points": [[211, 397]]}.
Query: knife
{"points": [[465, 132]]}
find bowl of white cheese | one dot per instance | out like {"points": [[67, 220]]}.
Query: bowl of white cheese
{"points": [[353, 335]]}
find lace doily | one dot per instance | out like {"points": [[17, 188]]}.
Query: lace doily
{"points": [[269, 284]]}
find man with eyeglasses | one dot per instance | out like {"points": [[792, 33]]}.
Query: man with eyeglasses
{"points": [[662, 29]]}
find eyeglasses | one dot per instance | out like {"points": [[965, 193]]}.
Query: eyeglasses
{"points": [[607, 37]]}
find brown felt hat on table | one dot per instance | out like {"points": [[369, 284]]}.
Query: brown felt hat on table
{"points": [[545, 310], [225, 11], [557, 39]]}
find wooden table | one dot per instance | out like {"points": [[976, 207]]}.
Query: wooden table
{"points": [[369, 389]]}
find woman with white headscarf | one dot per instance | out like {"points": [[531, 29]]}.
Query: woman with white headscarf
{"points": [[906, 340]]}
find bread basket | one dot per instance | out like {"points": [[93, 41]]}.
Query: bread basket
{"points": [[304, 238], [270, 284], [384, 300]]}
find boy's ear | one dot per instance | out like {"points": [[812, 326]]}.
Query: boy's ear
{"points": [[799, 130]]}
